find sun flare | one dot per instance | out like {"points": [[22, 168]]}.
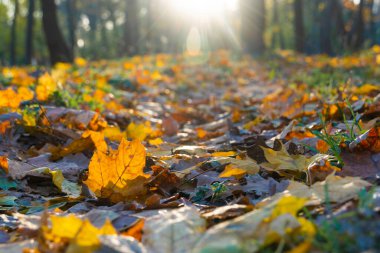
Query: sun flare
{"points": [[203, 8]]}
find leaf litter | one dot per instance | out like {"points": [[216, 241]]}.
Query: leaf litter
{"points": [[240, 156]]}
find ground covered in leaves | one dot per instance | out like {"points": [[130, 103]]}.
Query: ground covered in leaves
{"points": [[213, 153]]}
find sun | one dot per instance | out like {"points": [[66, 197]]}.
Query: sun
{"points": [[203, 8]]}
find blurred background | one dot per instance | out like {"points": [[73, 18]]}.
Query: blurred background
{"points": [[46, 31]]}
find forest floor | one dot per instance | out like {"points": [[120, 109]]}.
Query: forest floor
{"points": [[192, 154]]}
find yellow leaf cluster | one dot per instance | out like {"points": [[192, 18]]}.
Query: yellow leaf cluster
{"points": [[12, 99], [81, 235], [81, 62], [46, 86], [118, 174], [139, 131], [284, 219], [19, 76]]}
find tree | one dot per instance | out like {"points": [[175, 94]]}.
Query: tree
{"points": [[132, 26], [359, 27], [299, 26], [372, 23], [14, 34], [58, 49], [252, 26], [277, 33], [325, 32], [29, 33], [337, 9], [71, 23]]}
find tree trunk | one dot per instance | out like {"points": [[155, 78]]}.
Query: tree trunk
{"points": [[359, 30], [252, 26], [325, 32], [299, 26], [131, 33], [13, 41], [94, 18], [277, 37], [372, 24], [58, 50], [337, 9], [71, 23], [29, 33]]}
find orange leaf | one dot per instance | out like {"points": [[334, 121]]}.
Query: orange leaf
{"points": [[322, 146], [201, 133], [4, 126], [4, 164], [136, 230]]}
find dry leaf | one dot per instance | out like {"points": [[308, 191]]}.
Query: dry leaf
{"points": [[80, 235], [118, 174], [88, 141], [296, 165], [339, 190], [4, 164], [232, 171]]}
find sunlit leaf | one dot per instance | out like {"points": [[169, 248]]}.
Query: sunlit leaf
{"points": [[45, 87], [118, 172]]}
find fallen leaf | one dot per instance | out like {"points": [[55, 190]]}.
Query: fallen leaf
{"points": [[156, 141], [366, 89], [339, 190], [221, 154], [255, 229], [4, 164], [87, 141], [46, 86], [136, 231], [322, 146], [118, 173], [139, 131], [173, 231], [232, 171], [65, 186], [81, 235], [316, 167]]}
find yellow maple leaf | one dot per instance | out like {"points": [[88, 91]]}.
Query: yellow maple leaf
{"points": [[81, 235], [118, 173]]}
